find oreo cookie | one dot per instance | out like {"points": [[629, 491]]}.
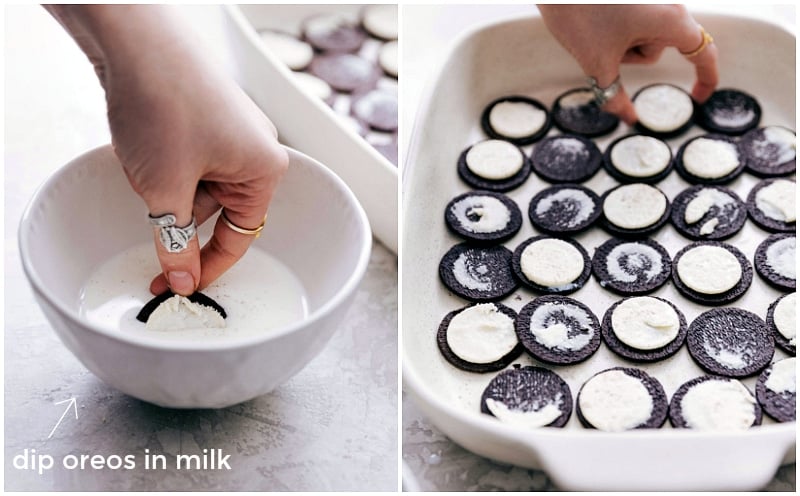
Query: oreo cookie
{"points": [[638, 158], [558, 330], [714, 403], [377, 108], [493, 165], [564, 209], [479, 338], [380, 21], [518, 119], [776, 390], [710, 159], [551, 265], [708, 212], [769, 151], [730, 342], [296, 54], [196, 297], [729, 111], [483, 216], [576, 112], [775, 261], [528, 397], [771, 205], [566, 158], [345, 72], [477, 273], [621, 399], [634, 210], [711, 272], [631, 267], [782, 322], [333, 33], [644, 328], [664, 110]]}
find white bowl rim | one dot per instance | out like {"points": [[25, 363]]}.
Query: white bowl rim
{"points": [[337, 299], [420, 391]]}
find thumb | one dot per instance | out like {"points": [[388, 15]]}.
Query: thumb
{"points": [[620, 104], [177, 248]]}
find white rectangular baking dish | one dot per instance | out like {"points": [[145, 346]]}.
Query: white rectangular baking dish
{"points": [[305, 122], [520, 57]]}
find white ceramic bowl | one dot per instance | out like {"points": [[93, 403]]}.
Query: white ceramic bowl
{"points": [[86, 212]]}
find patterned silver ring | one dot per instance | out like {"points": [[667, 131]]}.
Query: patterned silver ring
{"points": [[173, 238], [603, 95]]}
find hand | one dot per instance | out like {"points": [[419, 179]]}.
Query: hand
{"points": [[189, 139], [601, 37]]}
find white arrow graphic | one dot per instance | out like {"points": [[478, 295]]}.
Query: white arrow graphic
{"points": [[73, 403]]}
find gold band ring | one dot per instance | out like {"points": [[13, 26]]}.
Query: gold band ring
{"points": [[707, 39], [241, 230]]}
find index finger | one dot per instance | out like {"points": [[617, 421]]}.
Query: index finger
{"points": [[698, 48], [227, 245]]}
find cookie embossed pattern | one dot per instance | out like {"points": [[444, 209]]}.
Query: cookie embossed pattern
{"points": [[451, 397]]}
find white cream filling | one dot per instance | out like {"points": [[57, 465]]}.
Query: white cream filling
{"points": [[294, 53], [492, 214], [702, 203], [781, 257], [387, 58], [640, 156], [555, 335], [777, 201], [634, 206], [471, 277], [645, 323], [313, 85], [710, 158], [544, 415], [775, 145], [709, 226], [636, 256], [613, 401], [709, 269], [481, 334], [551, 262], [718, 405], [576, 99], [785, 317], [782, 378], [494, 159], [584, 203], [177, 313], [663, 108], [381, 20], [732, 117], [516, 119]]}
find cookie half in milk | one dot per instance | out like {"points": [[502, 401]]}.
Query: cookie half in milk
{"points": [[708, 212], [551, 265], [169, 311], [638, 158], [558, 330], [770, 151], [729, 111], [730, 342], [479, 338], [631, 267], [782, 322], [528, 397], [483, 216], [478, 273], [776, 390], [634, 210], [711, 272], [710, 159], [621, 399], [564, 209], [576, 112], [493, 165], [772, 205], [518, 119], [566, 158], [644, 328], [776, 261], [664, 110], [713, 403]]}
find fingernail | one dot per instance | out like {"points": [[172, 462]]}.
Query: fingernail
{"points": [[181, 282]]}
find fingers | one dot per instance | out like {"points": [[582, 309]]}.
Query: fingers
{"points": [[705, 64], [621, 106], [226, 246], [181, 269]]}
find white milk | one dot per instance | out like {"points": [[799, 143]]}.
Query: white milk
{"points": [[259, 294]]}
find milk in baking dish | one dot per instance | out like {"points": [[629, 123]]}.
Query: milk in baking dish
{"points": [[259, 294]]}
